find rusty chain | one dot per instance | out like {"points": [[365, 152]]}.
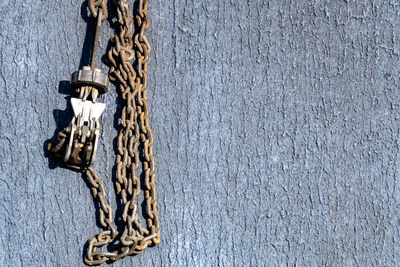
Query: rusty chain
{"points": [[134, 141]]}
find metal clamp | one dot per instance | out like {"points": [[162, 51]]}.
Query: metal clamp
{"points": [[89, 77], [84, 135]]}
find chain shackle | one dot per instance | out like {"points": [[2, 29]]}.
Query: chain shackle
{"points": [[94, 5]]}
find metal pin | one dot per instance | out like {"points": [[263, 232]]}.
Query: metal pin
{"points": [[96, 38]]}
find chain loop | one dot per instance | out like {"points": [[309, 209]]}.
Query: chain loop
{"points": [[135, 129], [94, 4]]}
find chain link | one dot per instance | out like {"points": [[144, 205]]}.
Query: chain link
{"points": [[134, 142], [101, 4]]}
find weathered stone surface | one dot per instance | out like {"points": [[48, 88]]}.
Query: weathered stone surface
{"points": [[276, 129]]}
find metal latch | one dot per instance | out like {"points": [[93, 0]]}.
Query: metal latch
{"points": [[83, 138]]}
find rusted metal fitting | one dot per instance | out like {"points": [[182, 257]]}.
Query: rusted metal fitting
{"points": [[84, 133], [100, 4], [90, 77]]}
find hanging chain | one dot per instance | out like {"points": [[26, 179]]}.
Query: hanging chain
{"points": [[134, 141], [135, 129]]}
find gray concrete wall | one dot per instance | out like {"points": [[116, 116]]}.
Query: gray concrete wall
{"points": [[276, 127]]}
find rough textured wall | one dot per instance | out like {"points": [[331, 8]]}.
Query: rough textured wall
{"points": [[276, 127]]}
